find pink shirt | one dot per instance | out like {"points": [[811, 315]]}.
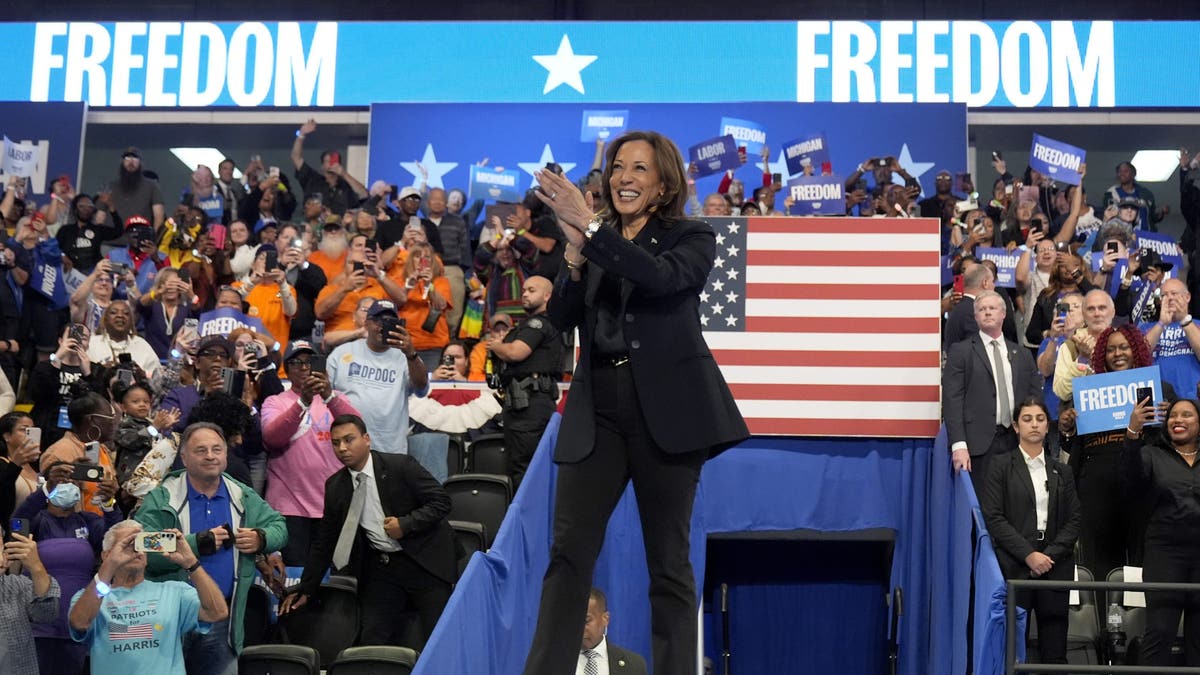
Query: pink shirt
{"points": [[299, 454]]}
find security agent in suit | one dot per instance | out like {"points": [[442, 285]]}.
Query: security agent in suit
{"points": [[976, 404], [960, 322], [1033, 516], [533, 355], [398, 545], [598, 656], [647, 403]]}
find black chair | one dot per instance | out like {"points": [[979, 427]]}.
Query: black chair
{"points": [[488, 455], [374, 660], [329, 623], [279, 660], [480, 498], [468, 538], [456, 455], [256, 621]]}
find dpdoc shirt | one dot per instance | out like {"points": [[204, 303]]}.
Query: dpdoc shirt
{"points": [[141, 629], [376, 383]]}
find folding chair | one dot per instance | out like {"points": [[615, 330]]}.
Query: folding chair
{"points": [[331, 623], [488, 455], [480, 498], [279, 660], [374, 660]]}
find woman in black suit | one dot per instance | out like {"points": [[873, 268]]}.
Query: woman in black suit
{"points": [[1028, 547], [647, 403]]}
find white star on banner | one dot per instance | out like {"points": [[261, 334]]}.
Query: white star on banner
{"points": [[435, 168], [564, 67], [914, 168], [547, 157]]}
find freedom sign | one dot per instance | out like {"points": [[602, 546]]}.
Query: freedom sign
{"points": [[602, 124], [745, 133], [1006, 264], [817, 196], [715, 155], [1105, 402], [225, 320], [501, 186], [1056, 159], [806, 151], [1165, 246]]}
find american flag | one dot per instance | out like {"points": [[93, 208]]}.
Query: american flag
{"points": [[134, 631], [828, 326]]}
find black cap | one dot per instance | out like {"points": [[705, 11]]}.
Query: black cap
{"points": [[131, 151]]}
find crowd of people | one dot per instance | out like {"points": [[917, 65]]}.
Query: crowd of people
{"points": [[1089, 297]]}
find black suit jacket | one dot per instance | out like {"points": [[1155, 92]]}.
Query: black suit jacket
{"points": [[407, 491], [1009, 509], [969, 394], [684, 398], [960, 323], [624, 662]]}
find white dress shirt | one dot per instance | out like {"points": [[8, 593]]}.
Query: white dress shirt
{"points": [[372, 514], [1004, 388], [601, 660], [1041, 489]]}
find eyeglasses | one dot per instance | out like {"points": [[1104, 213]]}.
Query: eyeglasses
{"points": [[213, 354], [299, 363], [411, 197]]}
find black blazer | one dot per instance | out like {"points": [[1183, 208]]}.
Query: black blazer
{"points": [[684, 398], [969, 393], [624, 661], [1008, 508], [406, 491]]}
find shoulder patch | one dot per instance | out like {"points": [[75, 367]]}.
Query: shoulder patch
{"points": [[535, 323]]}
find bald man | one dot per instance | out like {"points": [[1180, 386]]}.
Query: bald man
{"points": [[1175, 339], [532, 357], [1075, 353]]}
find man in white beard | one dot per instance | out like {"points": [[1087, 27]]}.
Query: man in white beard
{"points": [[330, 255]]}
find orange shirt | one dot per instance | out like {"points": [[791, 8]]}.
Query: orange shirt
{"points": [[416, 310], [343, 315], [332, 267], [476, 362], [267, 307], [69, 448]]}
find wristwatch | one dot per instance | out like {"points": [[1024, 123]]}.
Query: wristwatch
{"points": [[102, 589], [592, 227]]}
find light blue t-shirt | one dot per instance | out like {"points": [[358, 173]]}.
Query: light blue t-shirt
{"points": [[141, 629], [377, 385], [1175, 358]]}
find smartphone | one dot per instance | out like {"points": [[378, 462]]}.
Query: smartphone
{"points": [[297, 243], [335, 157], [1029, 193], [318, 364], [191, 324], [959, 284], [1143, 393], [272, 260], [34, 434], [184, 275], [88, 473], [18, 526], [77, 332], [1111, 247], [1062, 247], [777, 179], [996, 156], [448, 360], [372, 245], [1008, 189], [92, 452], [232, 382], [155, 542], [388, 325], [360, 266], [395, 192], [273, 172], [119, 269], [125, 377], [963, 182]]}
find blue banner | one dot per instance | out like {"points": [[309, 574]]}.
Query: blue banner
{"points": [[56, 129], [1006, 264], [224, 320], [602, 124], [806, 151], [715, 155], [1104, 402], [213, 206], [817, 196], [1165, 246], [1057, 160], [500, 186], [747, 134]]}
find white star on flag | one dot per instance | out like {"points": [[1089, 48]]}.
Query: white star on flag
{"points": [[733, 228], [703, 296], [718, 285], [720, 239], [435, 168], [732, 251], [718, 308], [564, 67], [731, 320], [732, 274], [730, 297], [718, 262], [703, 320], [547, 157]]}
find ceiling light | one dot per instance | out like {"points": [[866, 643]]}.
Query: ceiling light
{"points": [[1155, 166], [210, 157]]}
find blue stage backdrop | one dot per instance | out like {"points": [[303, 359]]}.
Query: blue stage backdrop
{"points": [[57, 131], [448, 138]]}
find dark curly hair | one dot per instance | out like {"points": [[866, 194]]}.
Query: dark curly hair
{"points": [[1137, 343], [223, 410]]}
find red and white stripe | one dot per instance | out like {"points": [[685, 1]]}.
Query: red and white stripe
{"points": [[842, 328]]}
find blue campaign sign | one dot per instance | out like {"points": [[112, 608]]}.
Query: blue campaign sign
{"points": [[602, 124], [1104, 402], [817, 196], [500, 186], [1056, 159], [55, 129], [1006, 264], [447, 139], [715, 155], [1166, 246], [806, 151], [213, 205], [747, 134], [947, 262], [225, 320], [1047, 64]]}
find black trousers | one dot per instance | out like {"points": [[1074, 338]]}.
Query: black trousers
{"points": [[523, 431], [587, 493], [1105, 531], [1050, 608], [1171, 563], [300, 534], [1003, 442], [390, 585]]}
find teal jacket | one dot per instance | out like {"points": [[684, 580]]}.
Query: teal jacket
{"points": [[165, 507]]}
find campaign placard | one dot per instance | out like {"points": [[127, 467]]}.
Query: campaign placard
{"points": [[817, 196], [1105, 402], [224, 320], [947, 270], [1006, 264], [806, 151], [501, 186], [20, 159], [602, 124], [1060, 161], [745, 133], [715, 155], [1165, 246]]}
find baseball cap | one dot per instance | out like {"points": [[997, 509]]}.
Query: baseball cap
{"points": [[131, 151], [264, 223], [298, 347], [407, 192], [501, 318], [1129, 202], [332, 222], [135, 221], [381, 307], [219, 341]]}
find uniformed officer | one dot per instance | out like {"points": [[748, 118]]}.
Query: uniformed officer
{"points": [[532, 354]]}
